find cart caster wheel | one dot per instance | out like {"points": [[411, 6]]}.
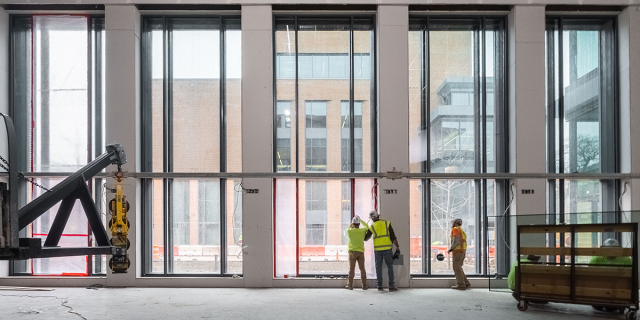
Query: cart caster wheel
{"points": [[631, 315], [523, 306]]}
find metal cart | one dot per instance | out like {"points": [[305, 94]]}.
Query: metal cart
{"points": [[557, 277]]}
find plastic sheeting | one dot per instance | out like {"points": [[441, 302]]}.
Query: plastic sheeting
{"points": [[285, 216], [75, 234], [65, 266], [58, 139], [285, 230], [365, 203]]}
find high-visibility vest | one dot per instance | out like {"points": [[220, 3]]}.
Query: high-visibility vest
{"points": [[462, 245], [381, 236]]}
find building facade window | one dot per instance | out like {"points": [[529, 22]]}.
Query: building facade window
{"points": [[457, 125], [325, 85], [316, 135], [582, 113], [316, 213], [323, 66], [191, 88], [283, 128], [57, 95], [357, 136]]}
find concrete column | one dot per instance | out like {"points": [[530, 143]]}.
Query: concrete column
{"points": [[629, 78], [4, 99], [122, 74], [527, 105], [393, 124], [257, 144]]}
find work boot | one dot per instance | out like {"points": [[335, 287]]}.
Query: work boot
{"points": [[459, 287], [348, 288], [393, 289], [380, 289]]}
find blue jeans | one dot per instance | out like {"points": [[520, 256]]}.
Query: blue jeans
{"points": [[387, 257]]}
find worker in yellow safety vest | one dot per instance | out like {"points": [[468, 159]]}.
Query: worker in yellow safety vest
{"points": [[459, 250], [356, 251], [383, 240]]}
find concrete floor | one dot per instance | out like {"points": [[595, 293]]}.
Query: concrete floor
{"points": [[164, 303]]}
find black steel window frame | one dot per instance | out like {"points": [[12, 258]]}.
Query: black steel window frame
{"points": [[20, 57], [609, 129], [349, 21], [477, 24], [223, 23]]}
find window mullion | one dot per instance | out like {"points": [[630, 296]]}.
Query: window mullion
{"points": [[297, 114], [351, 102], [561, 182], [551, 124], [223, 100], [560, 128], [477, 70], [297, 156], [223, 152], [426, 165], [168, 67], [485, 226], [89, 128]]}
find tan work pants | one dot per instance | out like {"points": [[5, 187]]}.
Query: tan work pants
{"points": [[461, 278], [359, 257]]}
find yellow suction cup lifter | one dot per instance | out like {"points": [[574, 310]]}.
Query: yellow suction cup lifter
{"points": [[119, 225]]}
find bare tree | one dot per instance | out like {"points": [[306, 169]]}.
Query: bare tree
{"points": [[588, 150], [450, 198], [587, 153]]}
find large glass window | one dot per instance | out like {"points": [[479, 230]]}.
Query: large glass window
{"points": [[191, 88], [58, 109], [324, 74], [581, 115], [325, 121], [457, 98]]}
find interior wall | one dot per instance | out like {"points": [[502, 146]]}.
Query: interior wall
{"points": [[527, 105], [122, 26], [257, 144], [629, 78], [526, 111], [393, 122]]}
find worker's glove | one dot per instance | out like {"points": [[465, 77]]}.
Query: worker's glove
{"points": [[397, 254]]}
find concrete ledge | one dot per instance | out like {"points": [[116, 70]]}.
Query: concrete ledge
{"points": [[426, 283], [439, 283], [317, 283], [184, 282], [37, 281], [203, 282]]}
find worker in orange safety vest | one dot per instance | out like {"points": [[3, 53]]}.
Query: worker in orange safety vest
{"points": [[459, 251]]}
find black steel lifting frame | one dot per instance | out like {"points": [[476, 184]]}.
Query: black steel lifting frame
{"points": [[67, 192]]}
